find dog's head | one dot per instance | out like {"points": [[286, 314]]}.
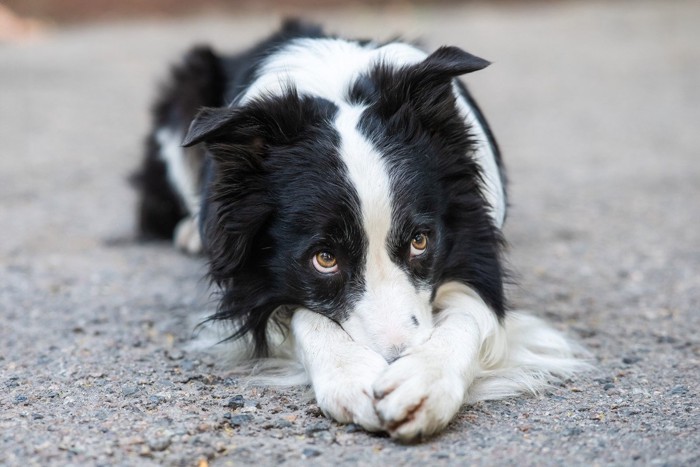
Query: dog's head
{"points": [[358, 210]]}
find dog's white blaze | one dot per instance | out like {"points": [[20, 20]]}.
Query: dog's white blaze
{"points": [[385, 316]]}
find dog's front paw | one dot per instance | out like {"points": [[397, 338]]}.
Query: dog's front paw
{"points": [[346, 395], [187, 237], [417, 396]]}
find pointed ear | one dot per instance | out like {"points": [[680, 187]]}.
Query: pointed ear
{"points": [[210, 123], [425, 86], [448, 62]]}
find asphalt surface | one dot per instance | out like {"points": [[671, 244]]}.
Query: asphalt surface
{"points": [[596, 106]]}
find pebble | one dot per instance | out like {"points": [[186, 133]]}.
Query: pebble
{"points": [[667, 340], [679, 390], [608, 386], [175, 354], [238, 420], [314, 411], [323, 425], [21, 398], [236, 402], [630, 360], [282, 423], [310, 452], [352, 428], [129, 390], [12, 382], [159, 444]]}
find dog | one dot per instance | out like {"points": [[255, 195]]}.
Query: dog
{"points": [[350, 197]]}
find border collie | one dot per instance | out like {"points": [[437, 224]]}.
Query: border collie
{"points": [[349, 196]]}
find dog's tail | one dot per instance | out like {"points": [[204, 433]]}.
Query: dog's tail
{"points": [[525, 355]]}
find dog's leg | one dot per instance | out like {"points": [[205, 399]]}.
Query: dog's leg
{"points": [[170, 176], [341, 371], [422, 391]]}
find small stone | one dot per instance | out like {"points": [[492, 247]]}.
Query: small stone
{"points": [[160, 444], [175, 354], [310, 452], [129, 390], [238, 420], [608, 386], [251, 404], [629, 360], [37, 416], [574, 431], [236, 402], [323, 425], [352, 428], [188, 365], [282, 423], [21, 398], [679, 390], [667, 340], [155, 400], [12, 382]]}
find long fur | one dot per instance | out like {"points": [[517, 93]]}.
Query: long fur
{"points": [[349, 196]]}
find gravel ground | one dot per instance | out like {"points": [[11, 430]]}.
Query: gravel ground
{"points": [[597, 108]]}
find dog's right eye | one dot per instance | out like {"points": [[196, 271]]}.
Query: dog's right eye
{"points": [[325, 262]]}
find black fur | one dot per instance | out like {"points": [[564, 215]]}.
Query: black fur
{"points": [[414, 122], [198, 81], [275, 190]]}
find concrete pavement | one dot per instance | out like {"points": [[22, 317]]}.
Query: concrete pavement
{"points": [[596, 106]]}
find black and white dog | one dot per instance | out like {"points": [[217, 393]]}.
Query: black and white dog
{"points": [[349, 196]]}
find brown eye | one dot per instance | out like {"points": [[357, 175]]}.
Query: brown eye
{"points": [[325, 262], [419, 244]]}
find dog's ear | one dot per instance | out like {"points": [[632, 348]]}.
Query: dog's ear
{"points": [[210, 123], [445, 63], [425, 87], [267, 121]]}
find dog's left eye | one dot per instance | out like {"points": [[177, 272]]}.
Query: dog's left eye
{"points": [[419, 244], [325, 262]]}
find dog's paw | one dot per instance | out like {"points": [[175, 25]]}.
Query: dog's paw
{"points": [[417, 396], [187, 237], [346, 395]]}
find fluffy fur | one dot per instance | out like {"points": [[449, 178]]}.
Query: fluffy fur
{"points": [[349, 196]]}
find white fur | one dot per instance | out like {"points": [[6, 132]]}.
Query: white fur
{"points": [[382, 318], [184, 182], [341, 370], [187, 236], [469, 357], [180, 175]]}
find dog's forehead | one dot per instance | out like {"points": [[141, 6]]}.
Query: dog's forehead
{"points": [[325, 67]]}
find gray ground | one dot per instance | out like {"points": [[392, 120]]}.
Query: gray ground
{"points": [[597, 108]]}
